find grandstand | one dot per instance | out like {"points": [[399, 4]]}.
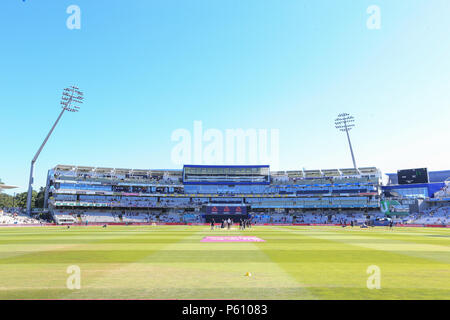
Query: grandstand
{"points": [[14, 216], [195, 194], [415, 202]]}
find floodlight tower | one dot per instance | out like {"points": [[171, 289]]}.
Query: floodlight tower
{"points": [[72, 97], [345, 122]]}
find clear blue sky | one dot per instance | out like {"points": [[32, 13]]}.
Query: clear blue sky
{"points": [[150, 67]]}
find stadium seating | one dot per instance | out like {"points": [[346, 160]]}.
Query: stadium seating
{"points": [[89, 194], [14, 217]]}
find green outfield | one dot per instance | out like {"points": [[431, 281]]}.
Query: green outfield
{"points": [[170, 262]]}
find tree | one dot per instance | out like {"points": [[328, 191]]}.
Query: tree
{"points": [[6, 200], [21, 199], [39, 202]]}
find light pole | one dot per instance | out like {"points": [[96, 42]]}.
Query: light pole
{"points": [[345, 122], [72, 97]]}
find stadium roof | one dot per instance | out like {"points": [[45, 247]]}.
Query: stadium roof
{"points": [[4, 186], [349, 171], [439, 176], [330, 172], [318, 173], [87, 169]]}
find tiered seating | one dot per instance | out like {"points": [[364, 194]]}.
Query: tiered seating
{"points": [[311, 218], [281, 218], [444, 192], [15, 218], [171, 217], [192, 218], [99, 217], [440, 215], [135, 217], [261, 218]]}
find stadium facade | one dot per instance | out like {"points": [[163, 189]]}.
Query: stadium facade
{"points": [[417, 197], [199, 193]]}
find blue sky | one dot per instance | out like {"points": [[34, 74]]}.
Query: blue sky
{"points": [[148, 68]]}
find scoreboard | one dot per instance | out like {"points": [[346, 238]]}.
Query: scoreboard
{"points": [[411, 176], [226, 209]]}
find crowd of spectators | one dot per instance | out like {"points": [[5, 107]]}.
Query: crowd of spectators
{"points": [[444, 192], [16, 216], [436, 215]]}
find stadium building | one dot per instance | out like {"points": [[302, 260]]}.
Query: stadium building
{"points": [[417, 191], [199, 193]]}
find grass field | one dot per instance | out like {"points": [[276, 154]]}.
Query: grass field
{"points": [[170, 262]]}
